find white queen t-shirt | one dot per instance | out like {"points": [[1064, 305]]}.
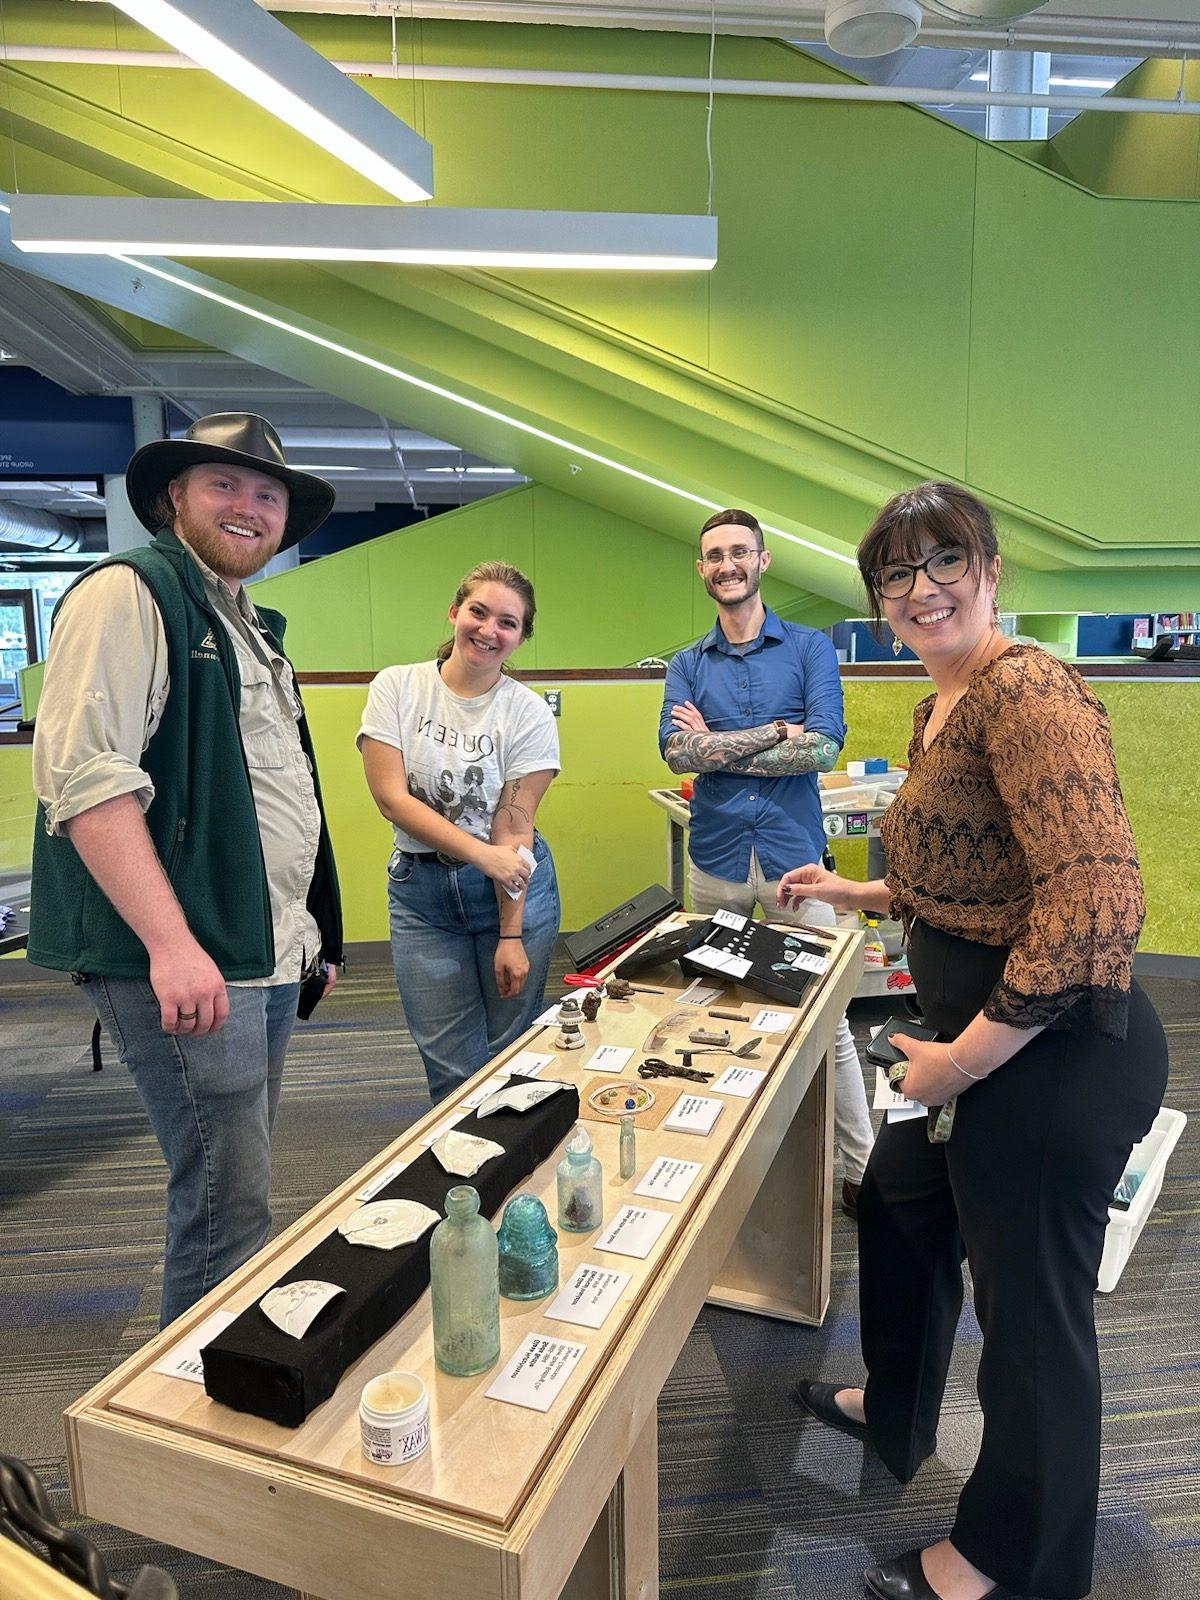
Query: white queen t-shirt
{"points": [[459, 753]]}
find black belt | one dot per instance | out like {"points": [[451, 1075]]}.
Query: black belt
{"points": [[433, 855]]}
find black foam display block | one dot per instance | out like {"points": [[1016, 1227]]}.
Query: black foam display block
{"points": [[254, 1366]]}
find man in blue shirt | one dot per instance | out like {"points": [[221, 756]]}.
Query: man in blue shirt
{"points": [[754, 708]]}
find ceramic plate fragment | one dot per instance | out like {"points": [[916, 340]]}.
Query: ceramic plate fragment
{"points": [[518, 1097], [464, 1153], [384, 1224], [294, 1307]]}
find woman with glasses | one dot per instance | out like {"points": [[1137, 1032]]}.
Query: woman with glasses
{"points": [[1013, 868], [458, 755]]}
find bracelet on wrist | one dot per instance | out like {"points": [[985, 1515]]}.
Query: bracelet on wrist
{"points": [[975, 1077], [510, 935]]}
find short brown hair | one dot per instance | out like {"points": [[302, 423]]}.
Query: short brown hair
{"points": [[163, 507], [951, 516], [736, 519], [496, 572]]}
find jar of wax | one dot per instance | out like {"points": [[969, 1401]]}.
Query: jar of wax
{"points": [[393, 1416]]}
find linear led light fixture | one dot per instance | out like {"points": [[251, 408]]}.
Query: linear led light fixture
{"points": [[247, 48], [438, 236]]}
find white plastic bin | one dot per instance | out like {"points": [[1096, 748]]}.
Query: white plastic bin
{"points": [[1150, 1158]]}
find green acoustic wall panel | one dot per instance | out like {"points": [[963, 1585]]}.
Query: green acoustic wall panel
{"points": [[17, 808], [1150, 155], [415, 573], [327, 610], [1106, 443], [608, 591]]}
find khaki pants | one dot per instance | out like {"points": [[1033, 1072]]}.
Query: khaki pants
{"points": [[851, 1119]]}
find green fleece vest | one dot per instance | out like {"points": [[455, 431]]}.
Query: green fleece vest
{"points": [[201, 821]]}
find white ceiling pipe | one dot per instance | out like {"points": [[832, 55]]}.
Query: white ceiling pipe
{"points": [[901, 94], [38, 530]]}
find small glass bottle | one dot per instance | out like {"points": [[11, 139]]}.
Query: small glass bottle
{"points": [[528, 1250], [628, 1144], [580, 1195], [463, 1276]]}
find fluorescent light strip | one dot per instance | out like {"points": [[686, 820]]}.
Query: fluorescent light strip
{"points": [[231, 37], [528, 428], [112, 225]]}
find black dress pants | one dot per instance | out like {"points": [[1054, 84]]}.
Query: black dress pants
{"points": [[1021, 1191]]}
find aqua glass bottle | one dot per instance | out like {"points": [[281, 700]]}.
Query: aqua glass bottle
{"points": [[465, 1286], [528, 1250], [628, 1144], [580, 1192]]}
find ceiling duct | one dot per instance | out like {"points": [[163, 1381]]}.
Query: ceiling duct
{"points": [[982, 12], [37, 530]]}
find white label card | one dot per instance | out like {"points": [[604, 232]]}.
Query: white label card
{"points": [[381, 1179], [720, 961], [588, 1296], [536, 1373], [444, 1126], [668, 1178], [804, 962], [634, 1231], [548, 1016], [773, 1021], [528, 856], [527, 1063], [693, 1113], [696, 994], [609, 1058], [898, 1106], [728, 919], [740, 1081], [182, 1360]]}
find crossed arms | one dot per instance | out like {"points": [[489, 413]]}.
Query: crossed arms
{"points": [[753, 752]]}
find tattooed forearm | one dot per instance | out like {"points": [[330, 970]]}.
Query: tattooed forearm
{"points": [[808, 752], [717, 752], [511, 813]]}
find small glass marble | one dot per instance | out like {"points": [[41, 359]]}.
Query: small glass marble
{"points": [[580, 1186], [528, 1250]]}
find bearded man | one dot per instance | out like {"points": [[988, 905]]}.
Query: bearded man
{"points": [[182, 871]]}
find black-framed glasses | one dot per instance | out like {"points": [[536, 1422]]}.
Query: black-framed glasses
{"points": [[896, 579]]}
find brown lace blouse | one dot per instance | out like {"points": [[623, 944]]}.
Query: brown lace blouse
{"points": [[1011, 830]]}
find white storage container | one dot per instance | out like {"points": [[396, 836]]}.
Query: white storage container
{"points": [[1150, 1158]]}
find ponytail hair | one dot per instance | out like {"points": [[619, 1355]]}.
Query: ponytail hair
{"points": [[495, 572]]}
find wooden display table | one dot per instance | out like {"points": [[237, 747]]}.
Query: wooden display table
{"points": [[507, 1502]]}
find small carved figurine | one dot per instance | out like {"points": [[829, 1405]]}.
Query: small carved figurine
{"points": [[618, 989], [590, 1005], [570, 1018]]}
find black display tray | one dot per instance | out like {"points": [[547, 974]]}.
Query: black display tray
{"points": [[254, 1366], [768, 951]]}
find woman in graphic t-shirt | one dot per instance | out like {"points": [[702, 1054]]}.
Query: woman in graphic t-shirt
{"points": [[458, 756]]}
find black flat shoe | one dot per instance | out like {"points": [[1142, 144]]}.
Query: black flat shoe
{"points": [[817, 1399], [904, 1579]]}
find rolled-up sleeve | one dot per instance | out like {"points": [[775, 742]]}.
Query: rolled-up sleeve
{"points": [[104, 689]]}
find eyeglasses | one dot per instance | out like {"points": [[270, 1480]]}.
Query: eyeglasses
{"points": [[740, 552], [895, 580]]}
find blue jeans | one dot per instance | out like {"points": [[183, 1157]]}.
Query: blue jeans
{"points": [[211, 1102], [444, 923]]}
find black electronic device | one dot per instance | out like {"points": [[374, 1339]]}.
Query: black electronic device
{"points": [[883, 1052], [591, 946]]}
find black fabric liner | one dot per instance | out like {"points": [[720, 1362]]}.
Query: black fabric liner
{"points": [[254, 1366], [765, 948]]}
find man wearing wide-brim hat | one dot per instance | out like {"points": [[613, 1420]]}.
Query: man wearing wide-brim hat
{"points": [[181, 868]]}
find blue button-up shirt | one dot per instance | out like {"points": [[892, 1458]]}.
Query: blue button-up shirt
{"points": [[788, 672]]}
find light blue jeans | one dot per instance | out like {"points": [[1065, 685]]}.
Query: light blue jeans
{"points": [[444, 923], [211, 1102]]}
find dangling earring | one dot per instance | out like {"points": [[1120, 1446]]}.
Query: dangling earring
{"points": [[896, 645]]}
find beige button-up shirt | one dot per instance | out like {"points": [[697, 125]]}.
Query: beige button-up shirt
{"points": [[106, 686]]}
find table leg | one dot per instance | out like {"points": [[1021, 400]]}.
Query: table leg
{"points": [[779, 1264], [620, 1559]]}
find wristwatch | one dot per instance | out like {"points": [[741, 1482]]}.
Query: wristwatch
{"points": [[781, 729]]}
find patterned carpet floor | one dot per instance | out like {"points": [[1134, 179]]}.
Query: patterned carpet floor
{"points": [[755, 1503]]}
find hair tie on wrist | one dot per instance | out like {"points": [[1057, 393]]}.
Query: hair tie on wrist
{"points": [[975, 1077], [510, 936]]}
